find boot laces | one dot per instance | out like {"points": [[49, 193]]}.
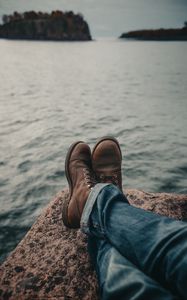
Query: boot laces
{"points": [[89, 178], [109, 178]]}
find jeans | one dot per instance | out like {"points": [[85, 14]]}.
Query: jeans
{"points": [[137, 254]]}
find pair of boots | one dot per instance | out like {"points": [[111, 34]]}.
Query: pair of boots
{"points": [[85, 169]]}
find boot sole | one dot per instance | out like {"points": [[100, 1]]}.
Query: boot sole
{"points": [[66, 201]]}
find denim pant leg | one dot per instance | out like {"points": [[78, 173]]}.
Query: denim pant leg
{"points": [[119, 279], [156, 245]]}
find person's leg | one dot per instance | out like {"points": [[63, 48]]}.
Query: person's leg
{"points": [[156, 245], [144, 238], [120, 279]]}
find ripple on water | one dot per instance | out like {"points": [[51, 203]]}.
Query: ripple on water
{"points": [[170, 184], [134, 129], [181, 170], [57, 175], [43, 111], [4, 182], [24, 166]]}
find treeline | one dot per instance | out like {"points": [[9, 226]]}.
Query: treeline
{"points": [[172, 34], [57, 25], [32, 15]]}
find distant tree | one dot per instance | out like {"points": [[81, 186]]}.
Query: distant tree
{"points": [[77, 18], [17, 16], [57, 14], [185, 24], [5, 19], [54, 14], [40, 15], [80, 16], [32, 15], [46, 15], [70, 14], [11, 18], [27, 15]]}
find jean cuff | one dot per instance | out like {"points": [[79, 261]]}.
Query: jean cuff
{"points": [[89, 206]]}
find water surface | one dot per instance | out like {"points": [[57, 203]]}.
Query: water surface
{"points": [[54, 93]]}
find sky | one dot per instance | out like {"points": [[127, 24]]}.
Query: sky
{"points": [[110, 18]]}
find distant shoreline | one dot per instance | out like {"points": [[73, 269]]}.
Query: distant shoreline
{"points": [[54, 26], [172, 34]]}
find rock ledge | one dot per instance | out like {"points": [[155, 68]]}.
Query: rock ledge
{"points": [[51, 262]]}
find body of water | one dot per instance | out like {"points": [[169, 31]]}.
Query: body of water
{"points": [[54, 93]]}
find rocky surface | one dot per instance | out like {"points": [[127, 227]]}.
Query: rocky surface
{"points": [[51, 262], [56, 26], [179, 34]]}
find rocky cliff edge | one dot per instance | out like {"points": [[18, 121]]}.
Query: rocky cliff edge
{"points": [[51, 262]]}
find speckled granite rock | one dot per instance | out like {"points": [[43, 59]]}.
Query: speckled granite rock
{"points": [[51, 262]]}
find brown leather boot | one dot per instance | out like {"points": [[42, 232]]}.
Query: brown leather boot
{"points": [[106, 161], [81, 179]]}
